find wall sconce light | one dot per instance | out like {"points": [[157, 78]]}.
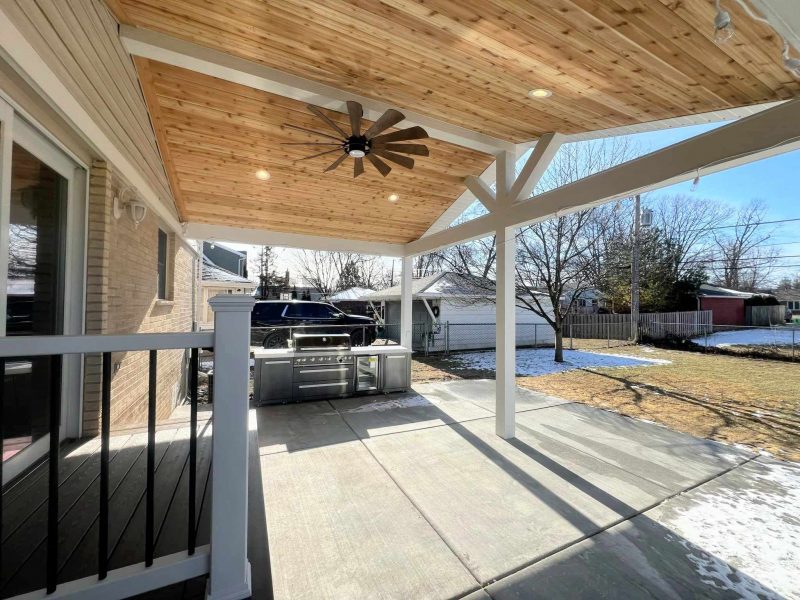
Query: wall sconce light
{"points": [[137, 210]]}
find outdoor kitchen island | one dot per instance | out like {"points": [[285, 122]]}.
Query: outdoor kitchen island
{"points": [[318, 367]]}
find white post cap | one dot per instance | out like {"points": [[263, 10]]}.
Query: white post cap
{"points": [[232, 303]]}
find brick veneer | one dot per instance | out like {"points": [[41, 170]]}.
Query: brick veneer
{"points": [[121, 298]]}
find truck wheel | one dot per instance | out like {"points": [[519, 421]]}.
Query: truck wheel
{"points": [[357, 338]]}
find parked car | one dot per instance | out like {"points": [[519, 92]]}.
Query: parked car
{"points": [[270, 320]]}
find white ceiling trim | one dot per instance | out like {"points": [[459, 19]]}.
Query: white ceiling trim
{"points": [[265, 237], [180, 53]]}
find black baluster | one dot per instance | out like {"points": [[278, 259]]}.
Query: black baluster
{"points": [[193, 367], [52, 495], [151, 459], [2, 438], [105, 434]]}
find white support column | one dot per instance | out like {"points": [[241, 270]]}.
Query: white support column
{"points": [[406, 325], [230, 570], [505, 164], [506, 334]]}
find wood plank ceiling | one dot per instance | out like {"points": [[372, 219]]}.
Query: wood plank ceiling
{"points": [[214, 135], [608, 63]]}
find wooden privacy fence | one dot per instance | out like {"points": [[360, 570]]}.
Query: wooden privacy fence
{"points": [[761, 316], [651, 325]]}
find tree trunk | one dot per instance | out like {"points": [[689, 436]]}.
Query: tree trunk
{"points": [[559, 355]]}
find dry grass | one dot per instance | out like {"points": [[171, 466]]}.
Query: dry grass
{"points": [[747, 401]]}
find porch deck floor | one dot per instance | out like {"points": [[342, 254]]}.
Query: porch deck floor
{"points": [[25, 508], [414, 496]]}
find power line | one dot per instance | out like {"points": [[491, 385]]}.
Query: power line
{"points": [[776, 222]]}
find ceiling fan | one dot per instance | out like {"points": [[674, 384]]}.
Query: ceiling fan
{"points": [[369, 144]]}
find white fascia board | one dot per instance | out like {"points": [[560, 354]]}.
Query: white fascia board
{"points": [[716, 116], [180, 53], [264, 237], [35, 70], [759, 136]]}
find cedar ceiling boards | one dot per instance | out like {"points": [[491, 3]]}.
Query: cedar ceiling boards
{"points": [[214, 135], [471, 62]]}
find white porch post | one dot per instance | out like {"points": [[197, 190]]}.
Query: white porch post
{"points": [[230, 570], [406, 325], [506, 334]]}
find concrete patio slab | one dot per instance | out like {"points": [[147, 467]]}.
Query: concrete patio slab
{"points": [[671, 459], [340, 528], [292, 427], [393, 413], [482, 393], [734, 537], [503, 504]]}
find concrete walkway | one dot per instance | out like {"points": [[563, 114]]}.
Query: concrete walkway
{"points": [[414, 496]]}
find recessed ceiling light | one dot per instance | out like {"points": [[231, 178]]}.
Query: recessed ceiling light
{"points": [[393, 198], [263, 175], [539, 93]]}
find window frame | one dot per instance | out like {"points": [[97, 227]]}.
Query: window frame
{"points": [[162, 270]]}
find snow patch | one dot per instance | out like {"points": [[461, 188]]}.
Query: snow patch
{"points": [[533, 362], [775, 336], [754, 527]]}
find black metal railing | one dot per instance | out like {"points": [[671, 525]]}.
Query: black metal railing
{"points": [[53, 458]]}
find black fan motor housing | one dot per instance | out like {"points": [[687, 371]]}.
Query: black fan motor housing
{"points": [[357, 143]]}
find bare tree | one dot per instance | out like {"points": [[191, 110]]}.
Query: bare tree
{"points": [[557, 258], [742, 261], [329, 272], [264, 263]]}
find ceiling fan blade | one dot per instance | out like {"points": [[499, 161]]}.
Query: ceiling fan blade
{"points": [[321, 154], [417, 149], [386, 120], [335, 163], [327, 119], [403, 161], [382, 167], [312, 131], [355, 111], [412, 133], [358, 167]]}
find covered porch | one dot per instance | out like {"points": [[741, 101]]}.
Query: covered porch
{"points": [[463, 489]]}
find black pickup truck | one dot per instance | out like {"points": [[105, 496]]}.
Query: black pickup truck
{"points": [[271, 319]]}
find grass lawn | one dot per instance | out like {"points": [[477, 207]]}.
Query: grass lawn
{"points": [[747, 401]]}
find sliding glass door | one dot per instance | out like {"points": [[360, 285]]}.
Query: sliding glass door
{"points": [[38, 184]]}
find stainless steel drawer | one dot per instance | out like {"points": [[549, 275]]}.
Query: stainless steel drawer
{"points": [[326, 389], [273, 381], [332, 372]]}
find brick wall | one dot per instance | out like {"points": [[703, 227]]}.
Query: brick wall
{"points": [[121, 298]]}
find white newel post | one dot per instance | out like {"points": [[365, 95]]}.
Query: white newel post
{"points": [[230, 570], [406, 298], [505, 390]]}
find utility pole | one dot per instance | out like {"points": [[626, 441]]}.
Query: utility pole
{"points": [[637, 224]]}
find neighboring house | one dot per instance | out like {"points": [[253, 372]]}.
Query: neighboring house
{"points": [[233, 261], [587, 302], [466, 304], [216, 280], [352, 301], [734, 307], [790, 299]]}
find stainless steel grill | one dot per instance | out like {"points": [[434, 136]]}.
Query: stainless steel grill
{"points": [[323, 366]]}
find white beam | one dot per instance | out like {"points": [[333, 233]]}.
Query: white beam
{"points": [[759, 136], [16, 47], [505, 165], [180, 53], [537, 163], [482, 192], [506, 327], [406, 299], [265, 237]]}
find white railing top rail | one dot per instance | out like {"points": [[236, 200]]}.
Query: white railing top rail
{"points": [[46, 345]]}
